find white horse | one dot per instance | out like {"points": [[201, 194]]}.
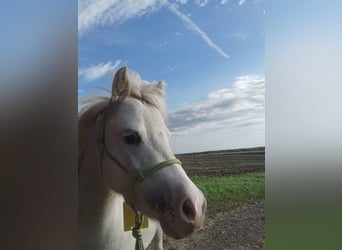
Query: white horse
{"points": [[124, 155]]}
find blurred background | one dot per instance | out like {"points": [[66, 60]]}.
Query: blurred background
{"points": [[38, 107]]}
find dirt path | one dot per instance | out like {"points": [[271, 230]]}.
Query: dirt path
{"points": [[240, 229]]}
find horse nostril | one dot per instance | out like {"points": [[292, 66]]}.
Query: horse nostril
{"points": [[188, 210]]}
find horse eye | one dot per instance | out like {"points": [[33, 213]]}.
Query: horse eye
{"points": [[131, 137]]}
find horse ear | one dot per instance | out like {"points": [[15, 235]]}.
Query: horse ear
{"points": [[160, 88], [121, 84]]}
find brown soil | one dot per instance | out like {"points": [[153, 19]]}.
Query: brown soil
{"points": [[223, 164], [239, 229]]}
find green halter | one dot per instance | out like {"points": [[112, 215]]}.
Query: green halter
{"points": [[139, 176]]}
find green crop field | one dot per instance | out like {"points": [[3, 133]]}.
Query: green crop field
{"points": [[224, 193]]}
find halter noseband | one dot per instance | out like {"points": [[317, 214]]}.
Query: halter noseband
{"points": [[139, 176]]}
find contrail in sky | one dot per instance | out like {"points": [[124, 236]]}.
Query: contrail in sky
{"points": [[193, 27]]}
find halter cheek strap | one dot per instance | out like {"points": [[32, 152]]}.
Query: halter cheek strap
{"points": [[139, 176]]}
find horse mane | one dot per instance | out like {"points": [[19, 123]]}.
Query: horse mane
{"points": [[92, 106]]}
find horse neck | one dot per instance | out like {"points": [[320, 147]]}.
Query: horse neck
{"points": [[100, 209], [94, 195]]}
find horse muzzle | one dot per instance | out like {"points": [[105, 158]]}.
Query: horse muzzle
{"points": [[184, 214]]}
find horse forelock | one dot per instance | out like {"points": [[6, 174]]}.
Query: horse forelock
{"points": [[151, 93]]}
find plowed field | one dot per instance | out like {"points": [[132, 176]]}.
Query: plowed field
{"points": [[223, 163]]}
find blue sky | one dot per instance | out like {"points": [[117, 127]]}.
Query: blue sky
{"points": [[210, 54]]}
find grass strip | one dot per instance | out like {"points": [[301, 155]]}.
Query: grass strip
{"points": [[225, 193]]}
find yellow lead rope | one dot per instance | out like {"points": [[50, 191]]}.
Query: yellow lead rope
{"points": [[137, 231]]}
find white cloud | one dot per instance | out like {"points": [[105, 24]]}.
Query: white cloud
{"points": [[240, 106], [182, 1], [97, 71], [92, 13], [240, 35], [223, 2], [193, 27], [241, 2], [201, 3], [161, 45]]}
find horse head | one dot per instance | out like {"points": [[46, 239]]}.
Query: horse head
{"points": [[136, 139]]}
